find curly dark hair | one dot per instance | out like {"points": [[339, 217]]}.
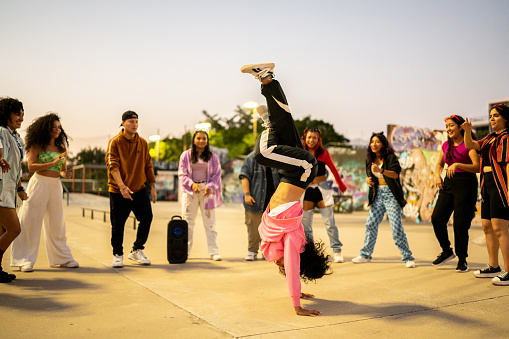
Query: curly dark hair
{"points": [[314, 263], [8, 106], [386, 147], [205, 155], [39, 133]]}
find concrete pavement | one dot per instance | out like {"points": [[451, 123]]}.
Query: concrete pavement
{"points": [[235, 298]]}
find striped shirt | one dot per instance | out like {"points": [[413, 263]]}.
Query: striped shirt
{"points": [[499, 157]]}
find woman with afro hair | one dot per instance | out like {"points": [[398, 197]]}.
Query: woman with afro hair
{"points": [[46, 144]]}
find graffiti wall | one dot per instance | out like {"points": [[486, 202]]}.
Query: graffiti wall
{"points": [[351, 166], [418, 150]]}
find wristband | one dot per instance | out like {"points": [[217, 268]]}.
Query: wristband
{"points": [[20, 189], [247, 193]]}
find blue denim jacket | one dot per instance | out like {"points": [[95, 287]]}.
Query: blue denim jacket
{"points": [[255, 173]]}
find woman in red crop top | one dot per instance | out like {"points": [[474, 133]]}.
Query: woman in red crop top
{"points": [[46, 144], [458, 193], [319, 193]]}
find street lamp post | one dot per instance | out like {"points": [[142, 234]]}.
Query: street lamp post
{"points": [[252, 105]]}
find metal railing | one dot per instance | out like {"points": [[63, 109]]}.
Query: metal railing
{"points": [[92, 210], [64, 192]]}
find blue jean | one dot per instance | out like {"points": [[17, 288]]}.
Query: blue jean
{"points": [[330, 225], [385, 202]]}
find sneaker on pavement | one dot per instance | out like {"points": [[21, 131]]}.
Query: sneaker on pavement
{"points": [[488, 272], [443, 257], [501, 280], [71, 264], [260, 71], [215, 257], [139, 257], [118, 261], [251, 256], [26, 268], [8, 275], [462, 266], [410, 264], [338, 257], [5, 279], [360, 260]]}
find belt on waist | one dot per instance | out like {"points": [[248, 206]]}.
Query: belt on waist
{"points": [[199, 182]]}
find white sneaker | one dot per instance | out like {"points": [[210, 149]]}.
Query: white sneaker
{"points": [[26, 268], [251, 256], [118, 261], [259, 71], [360, 260], [410, 264], [71, 264], [215, 257], [338, 257], [139, 257]]}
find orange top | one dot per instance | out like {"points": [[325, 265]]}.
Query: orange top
{"points": [[131, 158]]}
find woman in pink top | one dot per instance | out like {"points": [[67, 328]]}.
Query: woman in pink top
{"points": [[281, 230], [458, 193]]}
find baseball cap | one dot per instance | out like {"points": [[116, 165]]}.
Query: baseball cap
{"points": [[129, 115]]}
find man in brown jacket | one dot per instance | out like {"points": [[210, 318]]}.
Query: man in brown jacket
{"points": [[129, 167]]}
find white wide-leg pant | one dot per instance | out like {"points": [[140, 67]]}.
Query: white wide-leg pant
{"points": [[43, 207], [190, 205]]}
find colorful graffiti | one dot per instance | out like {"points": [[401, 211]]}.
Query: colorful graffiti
{"points": [[405, 138], [351, 166], [418, 150]]}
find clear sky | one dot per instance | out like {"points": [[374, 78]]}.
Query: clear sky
{"points": [[359, 65]]}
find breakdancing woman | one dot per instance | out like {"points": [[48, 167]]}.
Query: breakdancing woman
{"points": [[281, 231]]}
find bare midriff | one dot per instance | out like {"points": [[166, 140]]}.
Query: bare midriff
{"points": [[318, 180]]}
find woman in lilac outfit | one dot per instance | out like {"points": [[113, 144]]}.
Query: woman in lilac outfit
{"points": [[200, 176]]}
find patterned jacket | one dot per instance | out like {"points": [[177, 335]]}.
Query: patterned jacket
{"points": [[499, 157]]}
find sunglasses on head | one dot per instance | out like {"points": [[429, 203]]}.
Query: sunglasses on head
{"points": [[313, 129], [498, 105], [452, 117]]}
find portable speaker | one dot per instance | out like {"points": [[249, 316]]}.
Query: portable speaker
{"points": [[177, 240]]}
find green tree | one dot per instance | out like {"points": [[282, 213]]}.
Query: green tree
{"points": [[90, 156], [329, 134], [170, 149], [236, 134]]}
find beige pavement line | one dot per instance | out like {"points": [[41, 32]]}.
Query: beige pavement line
{"points": [[372, 318]]}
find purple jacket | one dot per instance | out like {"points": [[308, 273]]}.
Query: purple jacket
{"points": [[215, 198]]}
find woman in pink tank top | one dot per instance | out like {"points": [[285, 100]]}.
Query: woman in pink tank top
{"points": [[458, 194]]}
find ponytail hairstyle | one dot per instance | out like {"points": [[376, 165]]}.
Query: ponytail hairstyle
{"points": [[319, 147], [386, 148], [206, 154]]}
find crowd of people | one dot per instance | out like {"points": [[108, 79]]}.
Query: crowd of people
{"points": [[283, 180]]}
